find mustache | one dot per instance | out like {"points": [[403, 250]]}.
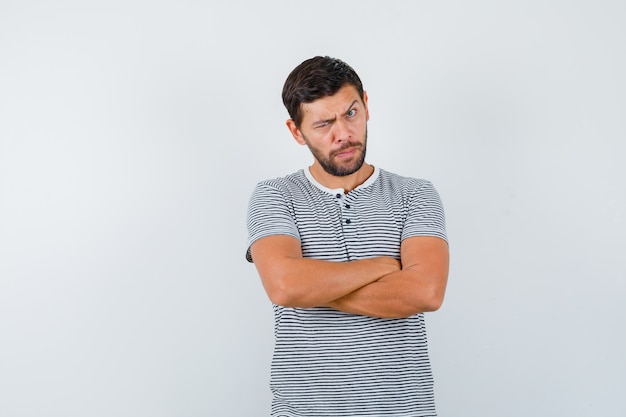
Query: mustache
{"points": [[346, 146]]}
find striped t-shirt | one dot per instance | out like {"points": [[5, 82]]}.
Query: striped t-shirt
{"points": [[331, 363]]}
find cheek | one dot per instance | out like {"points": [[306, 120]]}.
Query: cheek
{"points": [[359, 128], [320, 139]]}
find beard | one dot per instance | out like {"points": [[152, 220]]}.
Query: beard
{"points": [[340, 169]]}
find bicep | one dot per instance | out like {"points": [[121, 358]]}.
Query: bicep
{"points": [[427, 256], [269, 216], [270, 254]]}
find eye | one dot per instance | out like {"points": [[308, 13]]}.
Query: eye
{"points": [[351, 113]]}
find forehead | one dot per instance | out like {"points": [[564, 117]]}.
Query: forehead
{"points": [[338, 103]]}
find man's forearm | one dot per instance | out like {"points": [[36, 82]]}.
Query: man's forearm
{"points": [[293, 281], [400, 294], [310, 282], [419, 287]]}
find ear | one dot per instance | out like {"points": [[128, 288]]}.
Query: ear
{"points": [[295, 132], [367, 110]]}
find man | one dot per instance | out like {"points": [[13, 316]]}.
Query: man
{"points": [[351, 256]]}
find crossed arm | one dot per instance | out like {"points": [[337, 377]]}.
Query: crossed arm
{"points": [[378, 287]]}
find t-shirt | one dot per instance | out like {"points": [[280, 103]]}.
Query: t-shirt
{"points": [[327, 362]]}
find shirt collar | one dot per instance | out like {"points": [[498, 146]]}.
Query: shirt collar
{"points": [[369, 181]]}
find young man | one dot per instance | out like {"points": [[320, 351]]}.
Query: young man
{"points": [[351, 256]]}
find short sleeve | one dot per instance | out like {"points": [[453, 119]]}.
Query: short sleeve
{"points": [[269, 213], [425, 215]]}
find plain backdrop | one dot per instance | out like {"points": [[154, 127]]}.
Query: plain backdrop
{"points": [[133, 132]]}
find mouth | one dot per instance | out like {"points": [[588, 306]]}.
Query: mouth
{"points": [[346, 152]]}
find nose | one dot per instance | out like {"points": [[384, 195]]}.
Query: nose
{"points": [[341, 131]]}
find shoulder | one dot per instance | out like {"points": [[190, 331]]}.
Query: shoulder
{"points": [[270, 209], [292, 181], [421, 202], [402, 183], [287, 185]]}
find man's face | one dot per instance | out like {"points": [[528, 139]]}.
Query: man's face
{"points": [[335, 130]]}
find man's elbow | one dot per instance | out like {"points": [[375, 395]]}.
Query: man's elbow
{"points": [[429, 302], [287, 297], [415, 306], [278, 289], [281, 298], [433, 303], [278, 295], [432, 296]]}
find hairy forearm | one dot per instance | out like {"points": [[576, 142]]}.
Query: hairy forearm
{"points": [[305, 282], [399, 294], [292, 280]]}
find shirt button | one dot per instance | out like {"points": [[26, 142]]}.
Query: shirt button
{"points": [[347, 206], [338, 196], [348, 221]]}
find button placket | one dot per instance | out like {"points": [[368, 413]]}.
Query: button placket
{"points": [[343, 206], [350, 223], [345, 210]]}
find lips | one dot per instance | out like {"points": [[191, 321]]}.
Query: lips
{"points": [[347, 151]]}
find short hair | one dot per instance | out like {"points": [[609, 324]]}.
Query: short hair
{"points": [[316, 78]]}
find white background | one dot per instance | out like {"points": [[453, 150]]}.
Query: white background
{"points": [[132, 133]]}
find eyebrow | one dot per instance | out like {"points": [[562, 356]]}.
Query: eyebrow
{"points": [[321, 122]]}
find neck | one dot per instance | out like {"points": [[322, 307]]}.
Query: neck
{"points": [[347, 182]]}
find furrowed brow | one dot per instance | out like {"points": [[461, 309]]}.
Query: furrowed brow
{"points": [[351, 106], [322, 122]]}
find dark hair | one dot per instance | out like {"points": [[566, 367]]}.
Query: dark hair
{"points": [[316, 78]]}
